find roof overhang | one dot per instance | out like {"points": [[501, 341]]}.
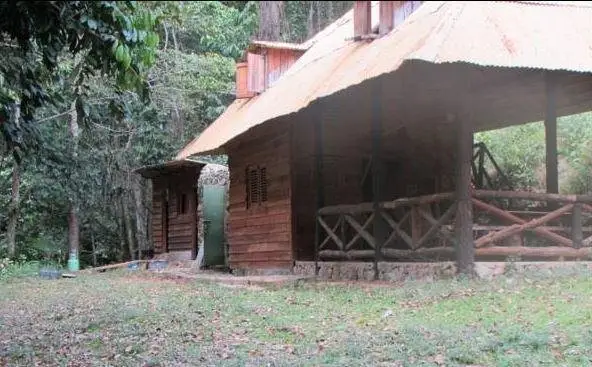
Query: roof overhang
{"points": [[499, 38], [170, 167]]}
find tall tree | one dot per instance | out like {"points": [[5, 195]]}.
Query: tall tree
{"points": [[271, 14]]}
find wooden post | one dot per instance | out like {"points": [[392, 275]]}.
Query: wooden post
{"points": [[318, 123], [387, 17], [362, 22], [465, 251], [380, 230], [576, 226], [551, 134]]}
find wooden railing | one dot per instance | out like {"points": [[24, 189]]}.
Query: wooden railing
{"points": [[422, 228]]}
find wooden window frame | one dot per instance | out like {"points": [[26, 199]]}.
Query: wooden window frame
{"points": [[256, 186], [182, 203]]}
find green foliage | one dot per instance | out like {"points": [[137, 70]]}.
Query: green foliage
{"points": [[520, 151], [211, 27], [113, 38]]}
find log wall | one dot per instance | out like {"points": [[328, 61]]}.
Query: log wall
{"points": [[260, 236], [181, 231], [158, 199]]}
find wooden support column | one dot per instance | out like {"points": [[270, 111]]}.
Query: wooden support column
{"points": [[378, 174], [551, 134], [386, 12], [465, 251], [362, 21], [318, 136], [577, 237]]}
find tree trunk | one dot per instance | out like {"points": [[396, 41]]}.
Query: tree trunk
{"points": [[73, 228], [129, 231], [310, 28], [13, 209], [141, 217], [94, 247], [270, 20]]}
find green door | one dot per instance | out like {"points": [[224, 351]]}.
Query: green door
{"points": [[213, 212]]}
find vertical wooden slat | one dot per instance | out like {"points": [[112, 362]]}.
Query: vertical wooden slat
{"points": [[362, 21], [551, 134], [481, 168], [386, 21], [242, 90], [378, 175], [577, 236], [416, 232], [256, 73], [318, 125], [465, 251]]}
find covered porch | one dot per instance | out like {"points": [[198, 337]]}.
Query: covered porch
{"points": [[396, 175]]}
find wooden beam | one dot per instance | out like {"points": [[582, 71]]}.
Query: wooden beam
{"points": [[551, 133], [512, 218], [415, 227], [517, 228], [378, 175], [420, 200], [536, 252], [318, 129], [534, 196], [445, 253], [577, 236], [369, 220], [331, 233], [436, 225], [465, 251], [365, 235], [362, 21], [387, 18], [397, 228]]}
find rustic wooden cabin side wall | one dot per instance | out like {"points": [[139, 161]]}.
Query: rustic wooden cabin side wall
{"points": [[182, 212], [260, 232], [158, 197], [174, 212]]}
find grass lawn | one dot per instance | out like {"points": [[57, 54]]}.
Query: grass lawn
{"points": [[124, 319]]}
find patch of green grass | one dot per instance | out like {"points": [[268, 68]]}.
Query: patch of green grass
{"points": [[141, 319]]}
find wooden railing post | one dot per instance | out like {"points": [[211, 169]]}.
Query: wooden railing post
{"points": [[318, 126], [577, 236]]}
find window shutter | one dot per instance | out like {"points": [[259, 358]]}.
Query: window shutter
{"points": [[253, 186], [256, 73], [263, 184]]}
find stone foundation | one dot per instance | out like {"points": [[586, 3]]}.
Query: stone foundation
{"points": [[395, 271]]}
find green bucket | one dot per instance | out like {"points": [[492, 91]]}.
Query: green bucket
{"points": [[73, 262]]}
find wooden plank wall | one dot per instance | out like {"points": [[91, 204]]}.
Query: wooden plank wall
{"points": [[158, 192], [278, 62], [261, 236], [182, 227]]}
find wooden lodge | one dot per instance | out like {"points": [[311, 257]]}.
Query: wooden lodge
{"points": [[363, 148]]}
